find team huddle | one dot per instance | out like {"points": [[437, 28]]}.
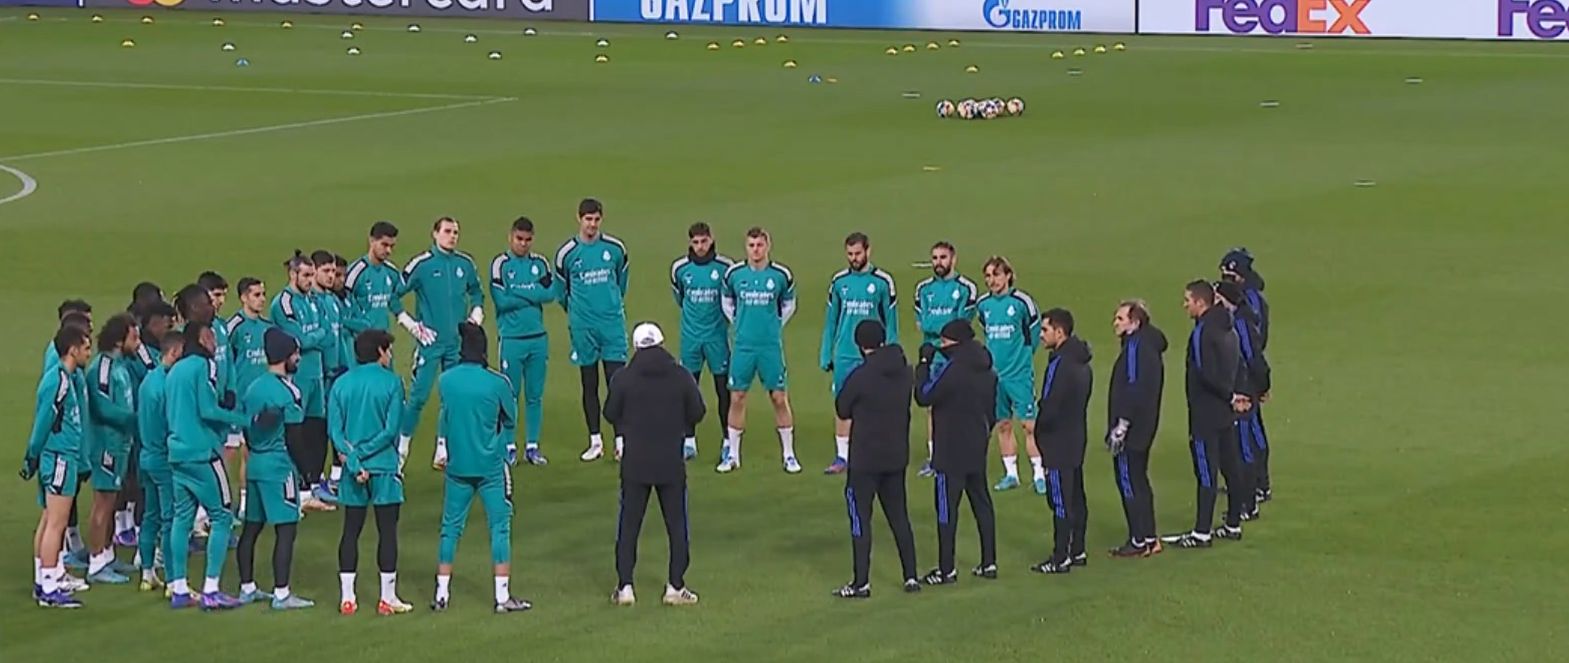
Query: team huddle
{"points": [[145, 415]]}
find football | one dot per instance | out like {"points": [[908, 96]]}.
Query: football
{"points": [[990, 109], [1015, 106], [945, 108], [966, 109]]}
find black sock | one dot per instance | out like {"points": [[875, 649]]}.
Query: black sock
{"points": [[283, 554], [590, 378]]}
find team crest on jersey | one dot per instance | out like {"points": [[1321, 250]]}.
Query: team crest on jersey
{"points": [[956, 294], [389, 282], [714, 275], [534, 270], [1011, 311], [460, 272], [770, 284], [871, 288], [606, 255]]}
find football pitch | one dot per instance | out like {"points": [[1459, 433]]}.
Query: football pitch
{"points": [[1411, 234]]}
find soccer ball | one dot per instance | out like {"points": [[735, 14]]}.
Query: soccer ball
{"points": [[945, 109], [989, 109], [1015, 106], [967, 109]]}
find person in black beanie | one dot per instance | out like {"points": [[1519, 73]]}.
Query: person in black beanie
{"points": [[962, 395], [1252, 385], [875, 400], [1132, 419], [1062, 432]]}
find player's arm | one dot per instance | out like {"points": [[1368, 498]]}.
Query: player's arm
{"points": [[565, 275], [623, 272], [388, 435], [787, 301], [927, 324], [891, 313], [727, 299], [475, 294], [150, 420], [102, 402], [1219, 373], [506, 301], [1049, 409], [51, 400], [509, 408], [972, 296], [825, 350], [1032, 326], [676, 290], [615, 401], [400, 287], [693, 403], [338, 428], [208, 407], [542, 291]]}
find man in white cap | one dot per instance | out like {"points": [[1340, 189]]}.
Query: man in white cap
{"points": [[652, 403]]}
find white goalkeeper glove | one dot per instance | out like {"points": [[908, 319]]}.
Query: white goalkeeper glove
{"points": [[477, 316], [417, 329]]}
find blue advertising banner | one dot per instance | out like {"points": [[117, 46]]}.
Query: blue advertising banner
{"points": [[986, 15]]}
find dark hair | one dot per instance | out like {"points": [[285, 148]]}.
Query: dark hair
{"points": [[73, 306], [473, 347], [1231, 291], [115, 331], [171, 341], [157, 310], [945, 244], [146, 292], [188, 297], [858, 238], [1201, 290], [68, 337], [382, 229], [77, 319], [1059, 318], [298, 260], [369, 344], [321, 257], [210, 281], [339, 260], [446, 219], [757, 231], [247, 283], [699, 229], [1137, 310], [193, 336], [589, 206], [523, 225]]}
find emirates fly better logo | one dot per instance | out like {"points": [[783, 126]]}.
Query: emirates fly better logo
{"points": [[1283, 16]]}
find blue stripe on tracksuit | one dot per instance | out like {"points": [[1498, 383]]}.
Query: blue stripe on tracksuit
{"points": [[1123, 479], [1193, 340], [1244, 439], [1133, 360], [942, 498], [686, 520], [1256, 420], [1201, 461], [933, 376], [855, 519], [1060, 509]]}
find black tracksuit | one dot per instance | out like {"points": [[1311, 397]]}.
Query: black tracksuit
{"points": [[962, 395], [1061, 432], [875, 400], [653, 402], [1137, 379], [1250, 426], [1213, 362]]}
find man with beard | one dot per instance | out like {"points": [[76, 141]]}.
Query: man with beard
{"points": [[697, 282], [943, 297]]}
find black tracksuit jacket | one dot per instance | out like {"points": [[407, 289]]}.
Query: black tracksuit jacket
{"points": [[875, 400], [1213, 360], [1138, 379], [652, 403], [962, 394], [1061, 416]]}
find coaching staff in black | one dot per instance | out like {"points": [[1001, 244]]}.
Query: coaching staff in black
{"points": [[1213, 360], [1133, 417], [653, 402], [961, 390], [1061, 432], [875, 400], [1253, 383]]}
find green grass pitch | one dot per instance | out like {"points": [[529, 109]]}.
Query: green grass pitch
{"points": [[1418, 413]]}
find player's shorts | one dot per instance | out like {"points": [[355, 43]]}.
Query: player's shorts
{"points": [[380, 490], [110, 471], [715, 354], [272, 501], [767, 365], [591, 345], [1016, 399], [843, 367], [57, 475]]}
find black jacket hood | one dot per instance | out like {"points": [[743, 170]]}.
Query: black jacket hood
{"points": [[1149, 333], [1075, 350], [887, 360], [653, 362]]}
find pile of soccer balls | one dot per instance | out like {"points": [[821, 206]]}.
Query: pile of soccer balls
{"points": [[980, 109]]}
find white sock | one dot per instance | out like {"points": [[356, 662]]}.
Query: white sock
{"points": [[280, 592], [1037, 467], [49, 579], [619, 443], [247, 587], [73, 539], [389, 586], [503, 590], [346, 587], [733, 441], [38, 570], [149, 575], [136, 560], [928, 450], [787, 440], [179, 587], [202, 522], [99, 560], [1010, 466], [596, 441], [122, 521], [690, 441], [242, 500], [403, 446], [209, 585], [336, 474], [441, 447], [842, 447], [443, 586]]}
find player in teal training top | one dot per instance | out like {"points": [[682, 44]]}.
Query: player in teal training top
{"points": [[336, 358], [697, 282], [478, 418], [521, 284], [943, 297], [112, 409], [373, 285], [274, 409], [54, 456], [217, 289], [365, 407], [859, 292], [446, 289], [197, 424], [593, 268], [1012, 324], [296, 311], [152, 422], [247, 333], [758, 298]]}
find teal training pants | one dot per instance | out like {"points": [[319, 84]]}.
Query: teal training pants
{"points": [[495, 493], [428, 364], [523, 361], [205, 484], [158, 498]]}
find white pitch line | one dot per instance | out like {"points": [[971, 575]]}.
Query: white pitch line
{"points": [[233, 88], [29, 185], [256, 130]]}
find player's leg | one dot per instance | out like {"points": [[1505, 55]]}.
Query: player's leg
{"points": [[128, 507], [891, 493], [629, 526], [427, 367], [214, 494], [100, 539], [1205, 468], [245, 554], [283, 598], [1080, 515], [495, 493], [1261, 440], [1239, 489], [1006, 444], [314, 399], [1248, 449], [859, 492], [975, 489], [536, 363], [1122, 473], [387, 515], [842, 368], [354, 516], [1139, 470], [613, 354], [926, 468], [946, 502], [457, 495], [742, 373], [177, 555], [585, 356], [775, 375], [50, 543], [1024, 410], [673, 506], [154, 526], [718, 357], [611, 368], [691, 359]]}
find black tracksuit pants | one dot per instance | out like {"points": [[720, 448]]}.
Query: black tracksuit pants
{"points": [[1205, 449], [861, 488], [1253, 435], [1132, 469], [634, 504], [1069, 511], [1240, 479], [950, 488]]}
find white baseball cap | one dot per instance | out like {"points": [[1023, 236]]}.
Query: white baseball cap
{"points": [[647, 335]]}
